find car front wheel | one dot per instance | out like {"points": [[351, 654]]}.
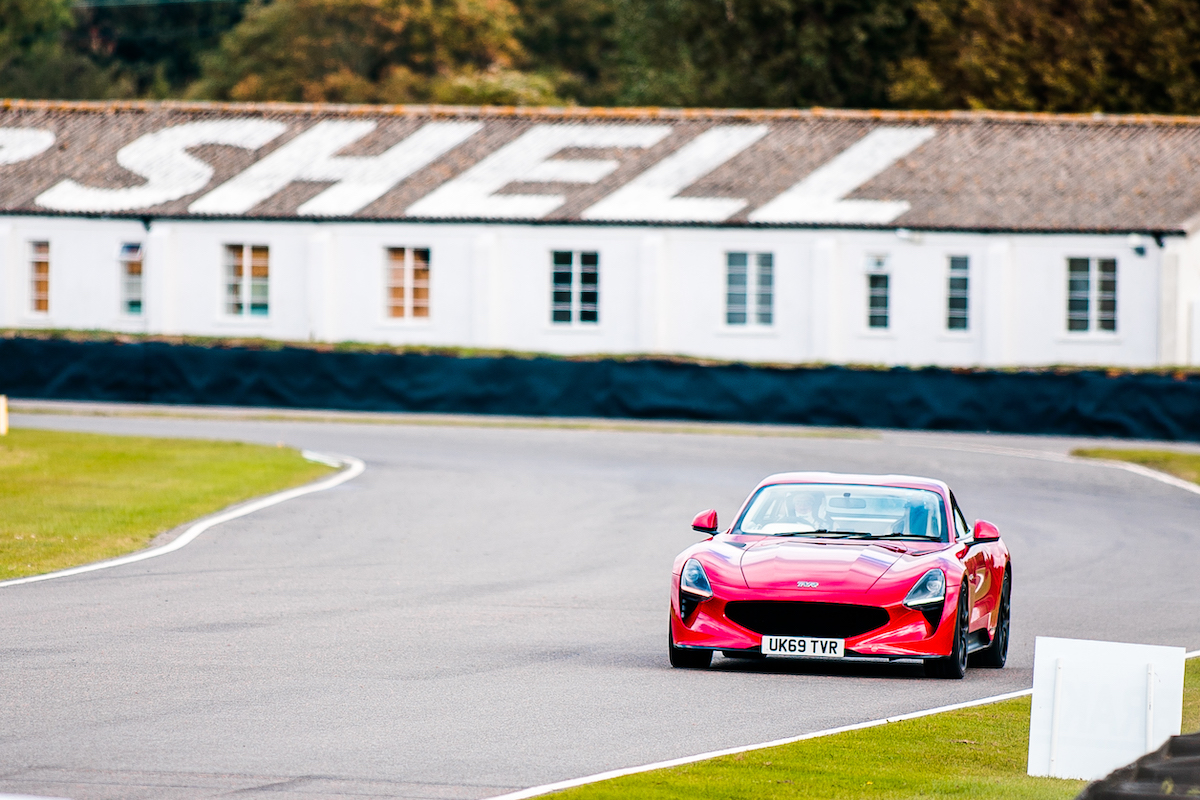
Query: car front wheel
{"points": [[997, 652], [685, 657], [954, 666]]}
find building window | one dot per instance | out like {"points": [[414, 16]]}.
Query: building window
{"points": [[407, 281], [39, 277], [749, 290], [131, 279], [877, 292], [575, 287], [247, 280], [1092, 294], [957, 303]]}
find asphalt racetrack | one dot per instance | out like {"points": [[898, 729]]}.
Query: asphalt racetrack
{"points": [[485, 609]]}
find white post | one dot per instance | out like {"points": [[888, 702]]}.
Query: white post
{"points": [[3, 415], [1149, 707], [1054, 713]]}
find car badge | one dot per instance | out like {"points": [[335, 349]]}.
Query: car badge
{"points": [[807, 584]]}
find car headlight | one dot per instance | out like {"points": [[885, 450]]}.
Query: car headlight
{"points": [[694, 588], [930, 590], [694, 580]]}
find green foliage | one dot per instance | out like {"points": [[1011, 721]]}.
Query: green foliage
{"points": [[574, 44], [357, 51], [155, 48], [1053, 55], [1034, 55], [34, 61], [72, 498], [777, 53]]}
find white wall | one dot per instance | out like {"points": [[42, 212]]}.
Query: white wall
{"points": [[662, 290]]}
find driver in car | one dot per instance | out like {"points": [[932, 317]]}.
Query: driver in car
{"points": [[804, 508]]}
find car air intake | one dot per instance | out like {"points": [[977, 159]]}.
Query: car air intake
{"points": [[799, 618]]}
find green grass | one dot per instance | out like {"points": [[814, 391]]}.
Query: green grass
{"points": [[974, 753], [1191, 696], [1181, 465], [72, 498]]}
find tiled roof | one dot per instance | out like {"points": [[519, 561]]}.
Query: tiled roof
{"points": [[923, 170]]}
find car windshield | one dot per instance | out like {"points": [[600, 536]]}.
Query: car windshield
{"points": [[845, 511]]}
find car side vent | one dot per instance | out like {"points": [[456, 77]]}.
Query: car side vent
{"points": [[801, 618]]}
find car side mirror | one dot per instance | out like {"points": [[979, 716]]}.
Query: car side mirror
{"points": [[705, 521], [985, 531]]}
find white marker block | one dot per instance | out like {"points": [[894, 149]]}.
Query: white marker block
{"points": [[1098, 706]]}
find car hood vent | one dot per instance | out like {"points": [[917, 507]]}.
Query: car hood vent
{"points": [[784, 563]]}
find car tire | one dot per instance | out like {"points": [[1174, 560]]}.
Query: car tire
{"points": [[686, 657], [996, 653], [954, 666]]}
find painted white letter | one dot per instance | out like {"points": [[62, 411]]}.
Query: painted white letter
{"points": [[651, 195], [161, 159], [527, 159], [358, 180], [818, 198], [22, 144]]}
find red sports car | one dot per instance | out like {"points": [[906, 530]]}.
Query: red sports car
{"points": [[828, 566]]}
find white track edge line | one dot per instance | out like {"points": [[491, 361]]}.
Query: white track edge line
{"points": [[352, 468], [678, 762]]}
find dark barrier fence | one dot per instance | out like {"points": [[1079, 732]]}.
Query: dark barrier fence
{"points": [[1085, 402], [1171, 770]]}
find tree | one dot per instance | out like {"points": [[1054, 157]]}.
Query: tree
{"points": [[573, 43], [33, 60], [1054, 55], [390, 51], [777, 53], [155, 47]]}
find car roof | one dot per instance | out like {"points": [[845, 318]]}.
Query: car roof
{"points": [[905, 481]]}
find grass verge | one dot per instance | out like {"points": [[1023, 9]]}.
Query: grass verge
{"points": [[973, 753], [1181, 465], [73, 498]]}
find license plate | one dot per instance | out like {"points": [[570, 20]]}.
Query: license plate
{"points": [[803, 647]]}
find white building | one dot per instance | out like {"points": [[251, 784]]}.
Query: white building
{"points": [[897, 238]]}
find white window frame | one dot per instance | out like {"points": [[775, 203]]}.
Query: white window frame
{"points": [[577, 303], [246, 284], [1095, 294], [954, 292], [409, 285], [125, 257], [37, 258], [878, 264], [758, 298]]}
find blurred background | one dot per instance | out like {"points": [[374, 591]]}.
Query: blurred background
{"points": [[1031, 55]]}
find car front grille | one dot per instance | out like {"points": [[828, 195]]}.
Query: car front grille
{"points": [[800, 618]]}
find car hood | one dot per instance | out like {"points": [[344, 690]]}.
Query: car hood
{"points": [[838, 567]]}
